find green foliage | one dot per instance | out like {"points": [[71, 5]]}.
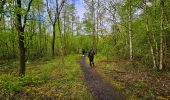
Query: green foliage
{"points": [[48, 79], [9, 84]]}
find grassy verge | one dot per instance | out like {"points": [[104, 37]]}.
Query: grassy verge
{"points": [[138, 82], [46, 80]]}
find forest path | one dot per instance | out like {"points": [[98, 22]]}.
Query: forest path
{"points": [[100, 89]]}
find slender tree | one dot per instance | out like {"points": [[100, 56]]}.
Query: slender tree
{"points": [[130, 30], [161, 35], [93, 23], [147, 32], [53, 21]]}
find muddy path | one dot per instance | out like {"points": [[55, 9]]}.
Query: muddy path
{"points": [[100, 89]]}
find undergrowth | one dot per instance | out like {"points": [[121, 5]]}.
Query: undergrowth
{"points": [[136, 82], [46, 80]]}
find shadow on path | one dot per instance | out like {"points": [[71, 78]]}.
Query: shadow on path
{"points": [[100, 89]]}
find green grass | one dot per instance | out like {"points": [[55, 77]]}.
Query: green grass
{"points": [[47, 80]]}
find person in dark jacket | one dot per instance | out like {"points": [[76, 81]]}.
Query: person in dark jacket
{"points": [[83, 52], [91, 57]]}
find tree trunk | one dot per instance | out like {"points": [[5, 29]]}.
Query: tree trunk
{"points": [[97, 30], [130, 32], [161, 36], [53, 41], [62, 54], [40, 34], [22, 53], [147, 32], [153, 56], [64, 29], [153, 35], [21, 38], [93, 19]]}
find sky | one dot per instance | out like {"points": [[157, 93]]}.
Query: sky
{"points": [[79, 7], [79, 4]]}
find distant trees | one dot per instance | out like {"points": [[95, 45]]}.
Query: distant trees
{"points": [[69, 19], [54, 17], [120, 29], [90, 21], [33, 40], [139, 30]]}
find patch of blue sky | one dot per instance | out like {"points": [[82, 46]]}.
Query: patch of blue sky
{"points": [[79, 5]]}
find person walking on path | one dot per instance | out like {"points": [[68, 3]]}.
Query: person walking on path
{"points": [[91, 57], [83, 52]]}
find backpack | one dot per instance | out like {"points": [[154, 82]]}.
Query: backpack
{"points": [[91, 53]]}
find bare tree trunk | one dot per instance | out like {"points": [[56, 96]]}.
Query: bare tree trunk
{"points": [[62, 55], [40, 34], [161, 36], [97, 30], [130, 32], [64, 26], [93, 19], [46, 51], [156, 50], [153, 56], [153, 36], [53, 42], [147, 32], [60, 33]]}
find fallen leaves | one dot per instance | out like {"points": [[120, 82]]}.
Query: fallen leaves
{"points": [[141, 82]]}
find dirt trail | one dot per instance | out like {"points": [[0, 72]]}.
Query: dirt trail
{"points": [[100, 89]]}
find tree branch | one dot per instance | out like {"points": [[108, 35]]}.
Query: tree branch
{"points": [[61, 6], [49, 14], [25, 17]]}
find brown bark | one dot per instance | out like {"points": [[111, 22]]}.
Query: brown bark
{"points": [[21, 38], [53, 41]]}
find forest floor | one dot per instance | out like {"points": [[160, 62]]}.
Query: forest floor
{"points": [[100, 88], [45, 79], [49, 79], [136, 82]]}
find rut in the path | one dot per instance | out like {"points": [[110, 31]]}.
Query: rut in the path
{"points": [[100, 89]]}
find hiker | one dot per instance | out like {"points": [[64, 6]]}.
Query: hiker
{"points": [[83, 52], [91, 57]]}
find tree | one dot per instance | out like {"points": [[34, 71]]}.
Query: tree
{"points": [[147, 32], [161, 35], [130, 30], [53, 20], [20, 28]]}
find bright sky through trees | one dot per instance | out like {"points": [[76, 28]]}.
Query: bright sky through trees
{"points": [[79, 4]]}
